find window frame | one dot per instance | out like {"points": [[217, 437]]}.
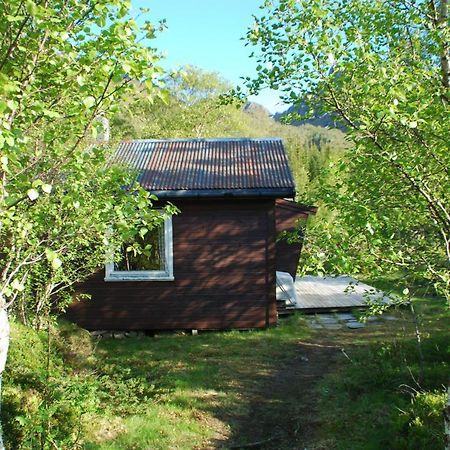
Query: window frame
{"points": [[112, 274]]}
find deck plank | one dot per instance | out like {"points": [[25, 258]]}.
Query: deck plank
{"points": [[322, 293]]}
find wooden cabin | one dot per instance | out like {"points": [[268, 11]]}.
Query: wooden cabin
{"points": [[217, 257]]}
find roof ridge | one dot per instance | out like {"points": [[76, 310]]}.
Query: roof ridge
{"points": [[217, 139]]}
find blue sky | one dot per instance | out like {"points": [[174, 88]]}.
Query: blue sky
{"points": [[206, 33]]}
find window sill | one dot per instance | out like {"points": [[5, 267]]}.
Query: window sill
{"points": [[119, 278]]}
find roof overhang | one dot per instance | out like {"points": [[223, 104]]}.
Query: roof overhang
{"points": [[294, 206], [227, 193]]}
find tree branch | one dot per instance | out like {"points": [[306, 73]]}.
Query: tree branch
{"points": [[13, 44]]}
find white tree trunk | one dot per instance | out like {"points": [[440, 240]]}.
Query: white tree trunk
{"points": [[105, 134], [447, 421], [4, 344]]}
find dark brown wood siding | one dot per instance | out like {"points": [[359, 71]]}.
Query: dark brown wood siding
{"points": [[224, 268], [288, 254]]}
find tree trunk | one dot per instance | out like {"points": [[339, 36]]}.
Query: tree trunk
{"points": [[447, 421], [445, 65], [4, 344]]}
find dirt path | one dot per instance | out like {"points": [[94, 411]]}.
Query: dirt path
{"points": [[283, 413]]}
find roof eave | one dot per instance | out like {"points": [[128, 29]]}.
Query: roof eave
{"points": [[301, 207], [226, 193]]}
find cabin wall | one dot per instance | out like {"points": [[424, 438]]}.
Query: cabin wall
{"points": [[224, 268], [287, 214]]}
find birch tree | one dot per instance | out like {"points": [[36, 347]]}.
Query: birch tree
{"points": [[63, 64], [382, 68]]}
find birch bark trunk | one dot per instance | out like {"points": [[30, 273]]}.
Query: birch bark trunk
{"points": [[4, 344], [447, 421], [445, 64], [445, 67]]}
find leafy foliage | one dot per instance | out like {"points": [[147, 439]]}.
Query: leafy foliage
{"points": [[42, 404], [382, 68], [378, 391], [64, 66]]}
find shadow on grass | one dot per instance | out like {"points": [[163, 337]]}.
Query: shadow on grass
{"points": [[283, 415], [235, 389], [241, 387]]}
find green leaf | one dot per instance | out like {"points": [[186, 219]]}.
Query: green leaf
{"points": [[10, 18], [47, 188], [164, 95], [56, 263], [12, 105], [32, 194], [31, 8], [17, 285], [89, 101], [53, 258], [126, 67], [21, 420], [51, 114]]}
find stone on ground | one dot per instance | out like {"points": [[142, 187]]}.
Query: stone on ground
{"points": [[354, 324]]}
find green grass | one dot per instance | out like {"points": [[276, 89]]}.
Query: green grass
{"points": [[176, 391], [201, 381], [383, 396], [375, 401], [168, 391], [161, 427]]}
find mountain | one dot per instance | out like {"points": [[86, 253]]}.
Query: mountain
{"points": [[255, 109], [326, 120]]}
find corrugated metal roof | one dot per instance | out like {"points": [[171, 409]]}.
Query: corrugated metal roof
{"points": [[214, 167]]}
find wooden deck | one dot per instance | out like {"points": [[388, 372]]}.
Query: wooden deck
{"points": [[333, 293]]}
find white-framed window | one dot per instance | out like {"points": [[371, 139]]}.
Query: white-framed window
{"points": [[154, 263]]}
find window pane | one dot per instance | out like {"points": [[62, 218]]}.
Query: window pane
{"points": [[150, 255]]}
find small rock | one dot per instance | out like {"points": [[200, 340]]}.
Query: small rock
{"points": [[333, 326], [389, 317], [132, 334], [325, 317], [118, 335], [373, 319], [354, 324], [345, 316], [98, 333], [327, 320]]}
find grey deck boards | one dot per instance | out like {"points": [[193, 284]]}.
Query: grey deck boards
{"points": [[329, 293]]}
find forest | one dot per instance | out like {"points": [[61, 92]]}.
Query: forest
{"points": [[376, 75]]}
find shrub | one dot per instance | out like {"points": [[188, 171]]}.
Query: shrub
{"points": [[420, 425], [43, 400]]}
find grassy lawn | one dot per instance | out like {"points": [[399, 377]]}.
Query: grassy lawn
{"points": [[381, 398], [386, 395], [287, 387], [205, 385]]}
